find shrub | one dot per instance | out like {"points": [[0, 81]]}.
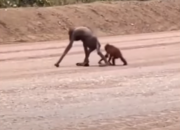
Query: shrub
{"points": [[25, 3]]}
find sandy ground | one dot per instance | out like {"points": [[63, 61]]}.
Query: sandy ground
{"points": [[144, 95], [108, 18]]}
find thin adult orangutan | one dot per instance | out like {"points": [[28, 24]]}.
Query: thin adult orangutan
{"points": [[90, 43], [113, 53]]}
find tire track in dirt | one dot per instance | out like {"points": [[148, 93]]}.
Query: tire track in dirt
{"points": [[80, 52], [96, 68], [131, 48], [59, 47], [175, 41]]}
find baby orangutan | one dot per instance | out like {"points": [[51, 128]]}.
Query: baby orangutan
{"points": [[113, 53]]}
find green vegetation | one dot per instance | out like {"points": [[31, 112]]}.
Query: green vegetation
{"points": [[23, 3], [41, 3]]}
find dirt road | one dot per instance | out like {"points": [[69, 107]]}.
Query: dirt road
{"points": [[144, 95]]}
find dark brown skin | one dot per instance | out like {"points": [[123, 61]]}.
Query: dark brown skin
{"points": [[90, 43], [113, 53]]}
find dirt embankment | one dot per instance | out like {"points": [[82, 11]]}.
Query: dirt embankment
{"points": [[42, 24]]}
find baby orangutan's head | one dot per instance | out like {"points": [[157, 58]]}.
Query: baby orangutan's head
{"points": [[106, 46]]}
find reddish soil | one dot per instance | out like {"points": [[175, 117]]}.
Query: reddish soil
{"points": [[144, 95], [107, 18]]}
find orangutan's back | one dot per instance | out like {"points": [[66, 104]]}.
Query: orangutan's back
{"points": [[112, 50]]}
